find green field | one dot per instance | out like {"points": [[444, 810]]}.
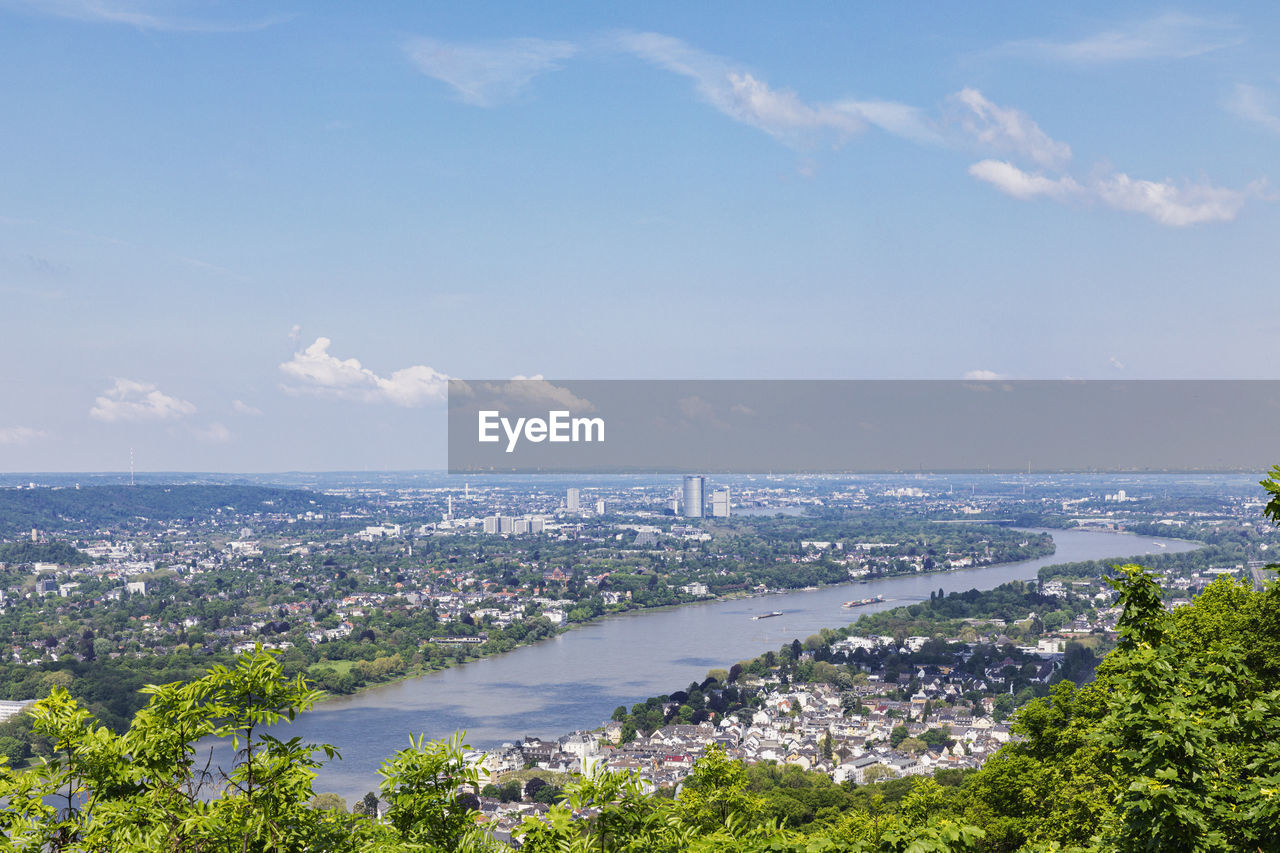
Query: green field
{"points": [[342, 667]]}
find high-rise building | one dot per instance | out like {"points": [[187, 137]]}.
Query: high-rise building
{"points": [[601, 508], [499, 524], [572, 499], [720, 503], [694, 507]]}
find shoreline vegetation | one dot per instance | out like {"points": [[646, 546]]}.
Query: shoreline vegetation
{"points": [[326, 696], [408, 676]]}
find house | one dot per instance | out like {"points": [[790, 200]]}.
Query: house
{"points": [[856, 769]]}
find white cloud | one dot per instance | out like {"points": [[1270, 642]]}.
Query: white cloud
{"points": [[1255, 105], [1006, 129], [740, 94], [19, 435], [242, 408], [314, 367], [415, 386], [524, 390], [1011, 180], [485, 74], [135, 14], [1169, 204], [215, 433], [696, 410], [1163, 201], [983, 375], [315, 371], [131, 400], [1169, 36], [899, 119]]}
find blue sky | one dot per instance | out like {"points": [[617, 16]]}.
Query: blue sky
{"points": [[259, 236]]}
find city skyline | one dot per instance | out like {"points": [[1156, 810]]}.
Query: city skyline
{"points": [[260, 237]]}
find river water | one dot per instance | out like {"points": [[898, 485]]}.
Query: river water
{"points": [[575, 680]]}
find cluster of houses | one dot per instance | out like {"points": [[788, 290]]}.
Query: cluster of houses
{"points": [[125, 568], [805, 726]]}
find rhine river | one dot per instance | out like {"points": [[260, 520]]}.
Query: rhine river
{"points": [[575, 680]]}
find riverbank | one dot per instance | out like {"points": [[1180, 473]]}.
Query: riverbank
{"points": [[575, 679], [471, 652]]}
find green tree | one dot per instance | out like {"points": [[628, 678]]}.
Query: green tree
{"points": [[1003, 707], [141, 790], [421, 786], [714, 792], [877, 773], [913, 746], [329, 800]]}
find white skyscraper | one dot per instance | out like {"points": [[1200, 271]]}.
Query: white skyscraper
{"points": [[694, 505], [572, 499], [720, 503]]}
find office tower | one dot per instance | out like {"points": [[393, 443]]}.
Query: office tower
{"points": [[693, 501], [720, 503], [571, 502], [600, 507]]}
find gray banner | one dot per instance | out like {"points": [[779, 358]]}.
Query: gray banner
{"points": [[856, 426]]}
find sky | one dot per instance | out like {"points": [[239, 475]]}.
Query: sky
{"points": [[261, 236]]}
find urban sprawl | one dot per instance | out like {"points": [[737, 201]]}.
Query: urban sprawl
{"points": [[360, 582]]}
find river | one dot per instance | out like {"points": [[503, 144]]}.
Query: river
{"points": [[575, 680]]}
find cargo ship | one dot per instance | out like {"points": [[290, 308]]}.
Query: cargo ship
{"points": [[768, 615], [862, 602]]}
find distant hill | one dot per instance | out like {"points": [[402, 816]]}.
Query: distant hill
{"points": [[98, 506], [14, 553]]}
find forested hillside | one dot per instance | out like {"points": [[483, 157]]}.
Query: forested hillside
{"points": [[104, 506], [59, 553]]}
